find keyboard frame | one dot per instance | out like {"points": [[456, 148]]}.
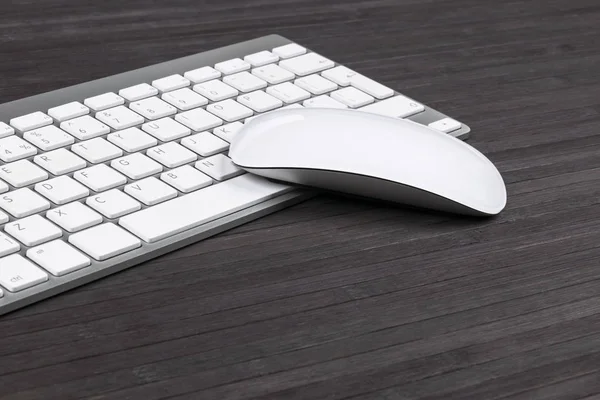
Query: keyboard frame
{"points": [[42, 102]]}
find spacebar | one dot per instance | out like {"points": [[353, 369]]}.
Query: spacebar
{"points": [[197, 208]]}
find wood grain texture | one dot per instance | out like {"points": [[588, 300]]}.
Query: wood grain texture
{"points": [[338, 298]]}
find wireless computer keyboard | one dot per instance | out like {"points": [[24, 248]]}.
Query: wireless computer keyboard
{"points": [[101, 176]]}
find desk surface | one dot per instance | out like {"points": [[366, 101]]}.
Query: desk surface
{"points": [[339, 298]]}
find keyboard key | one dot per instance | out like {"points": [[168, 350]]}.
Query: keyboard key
{"points": [[6, 130], [97, 150], [446, 125], [74, 217], [33, 230], [198, 119], [166, 129], [104, 241], [398, 107], [14, 148], [104, 101], [202, 74], [340, 75], [273, 74], [215, 90], [132, 140], [232, 66], [244, 81], [186, 179], [23, 202], [323, 101], [153, 108], [288, 92], [136, 166], [172, 82], [352, 97], [259, 101], [8, 245], [150, 191], [100, 178], [68, 111], [59, 162], [138, 92], [289, 50], [205, 143], [58, 258], [306, 64], [228, 132], [315, 84], [261, 58], [120, 117], [84, 128], [3, 217], [288, 107], [219, 167], [171, 154], [229, 110], [49, 138], [151, 224], [31, 121], [22, 173], [17, 273], [184, 99], [113, 203], [344, 76], [62, 190]]}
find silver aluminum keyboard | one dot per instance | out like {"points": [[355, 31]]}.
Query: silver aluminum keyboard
{"points": [[101, 176]]}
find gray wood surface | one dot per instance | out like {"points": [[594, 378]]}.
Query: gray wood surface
{"points": [[340, 298]]}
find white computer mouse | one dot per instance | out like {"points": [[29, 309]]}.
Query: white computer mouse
{"points": [[370, 155]]}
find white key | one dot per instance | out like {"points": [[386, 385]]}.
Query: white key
{"points": [[8, 245], [306, 64], [198, 119], [3, 217], [120, 117], [58, 258], [22, 173], [186, 179], [259, 101], [113, 203], [6, 130], [323, 101], [84, 128], [261, 58], [446, 125], [398, 107], [316, 84], [104, 101], [166, 129], [215, 90], [202, 74], [172, 82], [205, 143], [104, 241], [184, 99], [23, 202], [291, 106], [289, 50], [153, 108], [344, 76], [183, 213], [232, 66], [31, 121], [49, 138], [59, 162], [33, 230], [132, 140], [136, 166], [352, 97], [138, 92], [228, 132], [68, 111], [100, 178], [219, 167], [62, 190], [17, 273], [171, 154], [229, 110], [340, 75], [14, 148], [150, 191], [244, 81], [96, 150], [273, 74], [288, 92], [74, 217]]}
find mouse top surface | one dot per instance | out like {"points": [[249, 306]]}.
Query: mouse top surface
{"points": [[364, 144]]}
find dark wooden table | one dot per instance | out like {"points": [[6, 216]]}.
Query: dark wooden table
{"points": [[338, 298]]}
